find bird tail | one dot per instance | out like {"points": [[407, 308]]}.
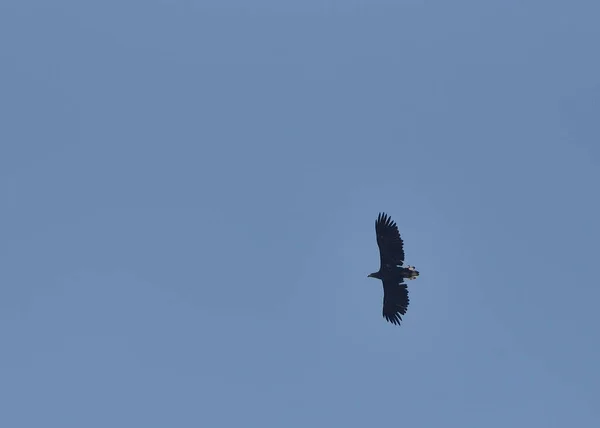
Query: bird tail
{"points": [[412, 273]]}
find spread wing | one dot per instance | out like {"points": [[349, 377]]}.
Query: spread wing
{"points": [[391, 247], [395, 301]]}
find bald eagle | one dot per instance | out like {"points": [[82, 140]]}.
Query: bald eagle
{"points": [[391, 270]]}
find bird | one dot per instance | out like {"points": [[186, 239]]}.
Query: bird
{"points": [[392, 271]]}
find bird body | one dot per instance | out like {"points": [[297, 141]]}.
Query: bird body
{"points": [[392, 272]]}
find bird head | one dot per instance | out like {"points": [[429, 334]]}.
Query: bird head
{"points": [[373, 275]]}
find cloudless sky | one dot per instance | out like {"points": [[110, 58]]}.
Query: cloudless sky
{"points": [[188, 197]]}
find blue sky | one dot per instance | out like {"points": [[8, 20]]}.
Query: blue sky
{"points": [[188, 196]]}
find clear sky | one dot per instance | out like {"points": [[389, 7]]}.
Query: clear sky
{"points": [[188, 197]]}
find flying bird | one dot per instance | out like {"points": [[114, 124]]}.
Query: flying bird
{"points": [[391, 270]]}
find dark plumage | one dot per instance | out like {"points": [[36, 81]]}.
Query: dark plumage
{"points": [[391, 271]]}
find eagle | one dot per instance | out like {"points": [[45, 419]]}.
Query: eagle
{"points": [[391, 272]]}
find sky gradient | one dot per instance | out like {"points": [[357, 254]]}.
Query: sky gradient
{"points": [[189, 189]]}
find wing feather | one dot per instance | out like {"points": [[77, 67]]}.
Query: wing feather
{"points": [[391, 246], [395, 301]]}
